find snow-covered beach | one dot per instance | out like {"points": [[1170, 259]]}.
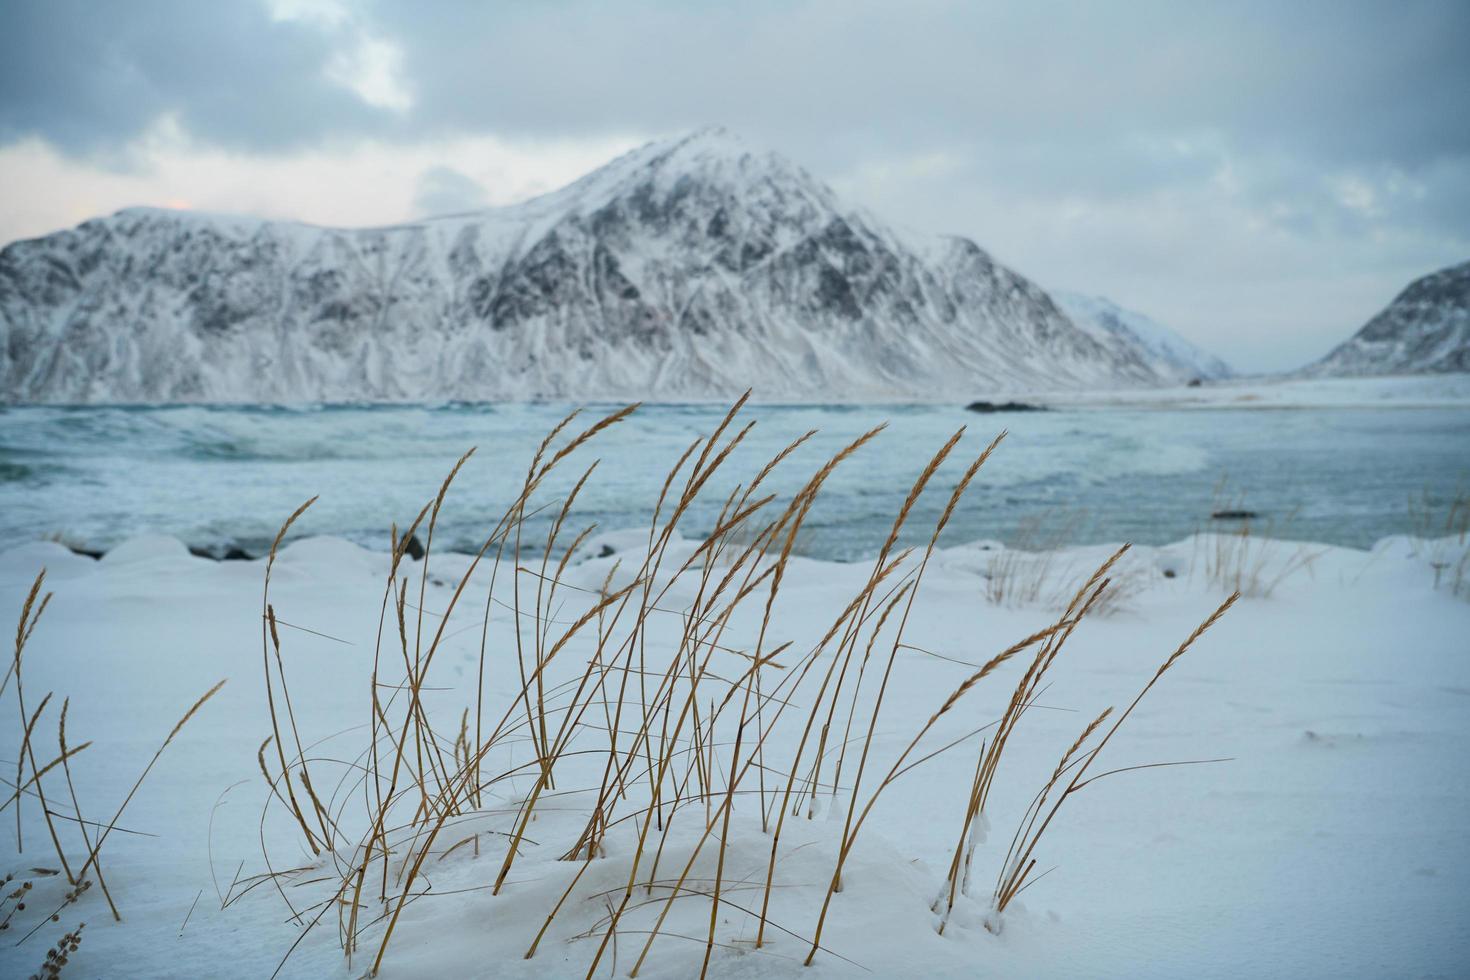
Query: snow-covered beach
{"points": [[734, 491], [1330, 843]]}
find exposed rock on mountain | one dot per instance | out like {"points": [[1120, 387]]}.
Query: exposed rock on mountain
{"points": [[1425, 330], [687, 269]]}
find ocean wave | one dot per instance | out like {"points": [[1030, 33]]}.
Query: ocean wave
{"points": [[232, 473]]}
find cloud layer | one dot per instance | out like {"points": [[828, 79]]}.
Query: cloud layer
{"points": [[1261, 175]]}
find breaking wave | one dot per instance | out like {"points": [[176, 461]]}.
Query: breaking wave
{"points": [[217, 474]]}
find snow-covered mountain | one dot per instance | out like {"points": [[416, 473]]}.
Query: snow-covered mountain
{"points": [[1171, 357], [1425, 330], [687, 269]]}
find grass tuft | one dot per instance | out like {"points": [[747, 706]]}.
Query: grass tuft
{"points": [[658, 724]]}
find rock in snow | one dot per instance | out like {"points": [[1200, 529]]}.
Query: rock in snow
{"points": [[687, 269], [1425, 330], [1172, 357]]}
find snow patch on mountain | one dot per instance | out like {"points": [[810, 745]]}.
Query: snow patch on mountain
{"points": [[1170, 356], [687, 269]]}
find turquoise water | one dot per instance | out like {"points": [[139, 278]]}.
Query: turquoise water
{"points": [[218, 476]]}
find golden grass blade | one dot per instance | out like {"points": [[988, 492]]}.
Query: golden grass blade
{"points": [[102, 837]]}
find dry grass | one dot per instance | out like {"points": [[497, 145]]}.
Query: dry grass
{"points": [[77, 867], [1023, 573], [1441, 537], [1250, 564], [1255, 555], [1036, 568], [59, 955], [1019, 862], [1082, 602], [638, 718]]}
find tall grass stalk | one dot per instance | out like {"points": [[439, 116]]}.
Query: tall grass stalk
{"points": [[663, 702]]}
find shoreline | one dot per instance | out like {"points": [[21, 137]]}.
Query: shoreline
{"points": [[1451, 390], [234, 552]]}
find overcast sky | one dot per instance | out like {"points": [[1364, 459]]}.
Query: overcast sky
{"points": [[1261, 176]]}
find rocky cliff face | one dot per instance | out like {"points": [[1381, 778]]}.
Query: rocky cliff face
{"points": [[1425, 330], [689, 269]]}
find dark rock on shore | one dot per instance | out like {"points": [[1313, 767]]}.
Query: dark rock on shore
{"points": [[230, 553], [986, 407]]}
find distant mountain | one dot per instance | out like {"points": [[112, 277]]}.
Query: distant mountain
{"points": [[686, 269], [1425, 330], [1169, 355]]}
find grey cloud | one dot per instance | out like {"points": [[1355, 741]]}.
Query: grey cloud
{"points": [[443, 190], [1352, 82], [90, 77]]}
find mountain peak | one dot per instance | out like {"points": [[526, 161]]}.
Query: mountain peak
{"points": [[693, 267], [1425, 329], [716, 139], [713, 154]]}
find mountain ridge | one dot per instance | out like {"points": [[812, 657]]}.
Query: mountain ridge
{"points": [[1177, 359], [687, 269], [1425, 329]]}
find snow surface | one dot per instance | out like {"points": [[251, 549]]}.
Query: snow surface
{"points": [[694, 268], [1333, 844], [1172, 357]]}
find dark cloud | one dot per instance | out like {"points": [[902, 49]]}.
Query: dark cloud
{"points": [[90, 77], [1344, 81], [1347, 80], [1079, 98]]}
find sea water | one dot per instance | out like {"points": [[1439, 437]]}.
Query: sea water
{"points": [[219, 476]]}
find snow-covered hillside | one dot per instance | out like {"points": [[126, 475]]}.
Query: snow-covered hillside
{"points": [[1170, 355], [1426, 329], [688, 269]]}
